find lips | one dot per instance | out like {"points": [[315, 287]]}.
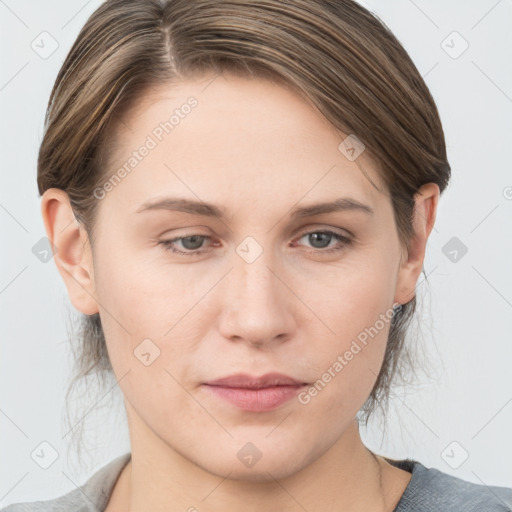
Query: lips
{"points": [[255, 394], [249, 382]]}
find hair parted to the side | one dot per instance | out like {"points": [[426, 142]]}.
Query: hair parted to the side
{"points": [[335, 53]]}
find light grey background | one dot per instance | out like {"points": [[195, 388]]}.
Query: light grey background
{"points": [[463, 410]]}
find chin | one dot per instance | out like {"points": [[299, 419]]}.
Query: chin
{"points": [[274, 465]]}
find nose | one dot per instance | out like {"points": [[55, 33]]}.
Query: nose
{"points": [[257, 307]]}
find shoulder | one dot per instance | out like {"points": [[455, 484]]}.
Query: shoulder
{"points": [[432, 490], [93, 496]]}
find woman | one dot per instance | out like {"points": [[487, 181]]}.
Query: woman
{"points": [[240, 196]]}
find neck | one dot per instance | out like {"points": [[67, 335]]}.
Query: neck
{"points": [[347, 477]]}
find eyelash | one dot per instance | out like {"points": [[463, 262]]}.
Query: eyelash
{"points": [[168, 244]]}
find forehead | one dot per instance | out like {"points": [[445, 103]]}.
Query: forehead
{"points": [[228, 133]]}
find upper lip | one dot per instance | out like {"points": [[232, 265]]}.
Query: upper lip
{"points": [[241, 380]]}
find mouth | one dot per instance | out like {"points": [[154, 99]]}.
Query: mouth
{"points": [[255, 394]]}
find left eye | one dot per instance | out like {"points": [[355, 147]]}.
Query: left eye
{"points": [[193, 243], [327, 236]]}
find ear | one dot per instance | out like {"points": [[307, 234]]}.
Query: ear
{"points": [[426, 200], [72, 253]]}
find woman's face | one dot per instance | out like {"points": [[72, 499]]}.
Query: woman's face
{"points": [[231, 171]]}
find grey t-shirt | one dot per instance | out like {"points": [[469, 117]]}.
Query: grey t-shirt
{"points": [[429, 490]]}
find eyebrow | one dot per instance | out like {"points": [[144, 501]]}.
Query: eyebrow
{"points": [[211, 210]]}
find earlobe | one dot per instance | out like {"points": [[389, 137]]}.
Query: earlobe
{"points": [[72, 255], [426, 201]]}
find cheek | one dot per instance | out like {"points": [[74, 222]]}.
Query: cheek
{"points": [[149, 312], [357, 306], [138, 292], [350, 297], [141, 311]]}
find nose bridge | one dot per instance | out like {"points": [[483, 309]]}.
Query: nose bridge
{"points": [[253, 266], [258, 309]]}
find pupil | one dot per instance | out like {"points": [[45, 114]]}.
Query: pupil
{"points": [[197, 239], [315, 236]]}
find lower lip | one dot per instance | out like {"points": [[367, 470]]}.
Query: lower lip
{"points": [[256, 400]]}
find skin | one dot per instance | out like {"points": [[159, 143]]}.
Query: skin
{"points": [[258, 149]]}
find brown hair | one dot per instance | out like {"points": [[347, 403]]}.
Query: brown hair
{"points": [[338, 55]]}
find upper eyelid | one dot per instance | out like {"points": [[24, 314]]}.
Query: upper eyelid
{"points": [[300, 232]]}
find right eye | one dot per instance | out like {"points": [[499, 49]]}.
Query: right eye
{"points": [[191, 244]]}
